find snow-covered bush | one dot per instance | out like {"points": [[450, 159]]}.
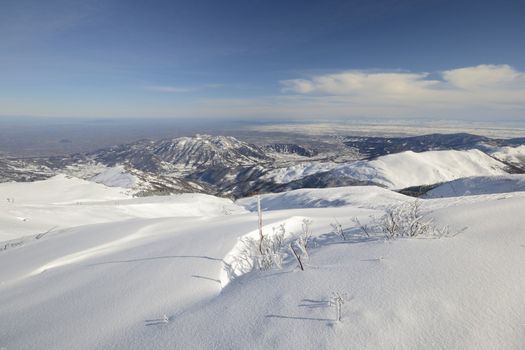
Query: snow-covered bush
{"points": [[305, 236], [407, 220], [276, 241], [244, 259], [274, 249], [263, 255]]}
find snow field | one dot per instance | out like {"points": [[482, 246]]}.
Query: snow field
{"points": [[108, 276]]}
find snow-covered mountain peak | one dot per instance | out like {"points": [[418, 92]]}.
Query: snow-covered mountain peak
{"points": [[197, 152], [206, 150]]}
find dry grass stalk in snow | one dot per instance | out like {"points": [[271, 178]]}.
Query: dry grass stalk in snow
{"points": [[364, 228], [337, 301], [338, 230]]}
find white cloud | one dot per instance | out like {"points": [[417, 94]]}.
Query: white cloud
{"points": [[359, 83], [483, 91], [485, 77]]}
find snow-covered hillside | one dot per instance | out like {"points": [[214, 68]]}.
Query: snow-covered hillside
{"points": [[411, 169], [401, 170], [298, 171], [29, 209], [358, 196], [155, 273], [115, 177], [511, 155], [478, 185], [183, 153], [59, 189]]}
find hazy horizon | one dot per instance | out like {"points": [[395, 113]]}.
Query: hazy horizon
{"points": [[36, 137]]}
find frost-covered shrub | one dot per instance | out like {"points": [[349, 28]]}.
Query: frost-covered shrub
{"points": [[305, 236], [407, 220], [263, 255], [274, 249]]}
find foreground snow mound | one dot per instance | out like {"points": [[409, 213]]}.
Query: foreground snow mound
{"points": [[358, 196], [238, 260], [462, 292], [478, 185]]}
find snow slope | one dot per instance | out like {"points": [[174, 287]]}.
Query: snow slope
{"points": [[58, 190], [371, 197], [479, 185], [115, 177], [458, 293], [63, 201], [512, 155], [159, 283], [401, 170], [408, 169], [298, 171]]}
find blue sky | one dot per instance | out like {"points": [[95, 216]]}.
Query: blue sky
{"points": [[293, 59]]}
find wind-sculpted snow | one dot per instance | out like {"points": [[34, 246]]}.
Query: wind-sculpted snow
{"points": [[452, 293], [161, 283]]}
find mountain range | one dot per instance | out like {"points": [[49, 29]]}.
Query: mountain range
{"points": [[226, 166]]}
